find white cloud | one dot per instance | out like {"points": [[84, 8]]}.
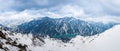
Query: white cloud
{"points": [[43, 2], [92, 7], [114, 3], [103, 19], [69, 10], [6, 4], [11, 18]]}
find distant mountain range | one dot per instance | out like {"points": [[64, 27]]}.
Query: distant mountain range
{"points": [[10, 41], [62, 28]]}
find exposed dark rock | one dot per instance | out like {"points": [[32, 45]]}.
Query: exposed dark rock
{"points": [[2, 35], [1, 46], [22, 47]]}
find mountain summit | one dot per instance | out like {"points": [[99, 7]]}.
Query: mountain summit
{"points": [[63, 28]]}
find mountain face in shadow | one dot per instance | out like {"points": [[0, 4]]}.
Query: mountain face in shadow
{"points": [[1, 25], [62, 28]]}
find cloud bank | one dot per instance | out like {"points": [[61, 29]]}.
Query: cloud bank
{"points": [[16, 11], [92, 7]]}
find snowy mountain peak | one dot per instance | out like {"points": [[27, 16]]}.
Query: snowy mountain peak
{"points": [[63, 28]]}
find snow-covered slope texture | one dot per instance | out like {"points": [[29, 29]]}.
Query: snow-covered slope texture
{"points": [[106, 41], [63, 28], [109, 40], [10, 41]]}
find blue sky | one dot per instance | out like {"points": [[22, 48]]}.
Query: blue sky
{"points": [[93, 7]]}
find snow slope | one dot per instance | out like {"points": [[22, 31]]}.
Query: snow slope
{"points": [[10, 41], [107, 41]]}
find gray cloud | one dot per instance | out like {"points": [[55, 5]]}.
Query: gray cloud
{"points": [[91, 7]]}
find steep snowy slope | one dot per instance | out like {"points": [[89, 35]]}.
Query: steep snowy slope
{"points": [[10, 41], [107, 41]]}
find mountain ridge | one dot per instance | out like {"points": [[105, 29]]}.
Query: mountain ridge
{"points": [[63, 28]]}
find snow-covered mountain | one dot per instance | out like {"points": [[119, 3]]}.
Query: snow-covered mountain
{"points": [[106, 41], [59, 25], [63, 28]]}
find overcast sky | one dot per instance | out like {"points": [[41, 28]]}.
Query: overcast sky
{"points": [[73, 7]]}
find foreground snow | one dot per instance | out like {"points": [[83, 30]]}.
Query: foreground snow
{"points": [[10, 41], [107, 41]]}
